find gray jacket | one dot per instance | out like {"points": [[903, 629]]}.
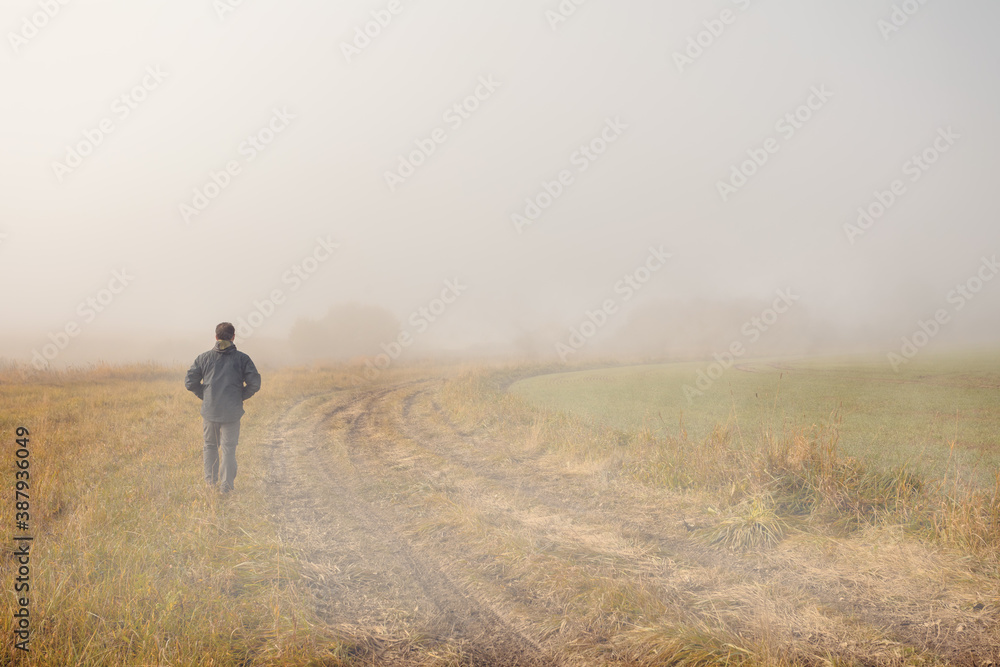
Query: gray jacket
{"points": [[223, 379]]}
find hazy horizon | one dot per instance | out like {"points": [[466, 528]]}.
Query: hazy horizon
{"points": [[121, 120]]}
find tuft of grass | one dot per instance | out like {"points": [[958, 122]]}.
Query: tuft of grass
{"points": [[752, 526], [968, 518], [689, 645]]}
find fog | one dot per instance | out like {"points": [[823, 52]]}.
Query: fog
{"points": [[545, 179]]}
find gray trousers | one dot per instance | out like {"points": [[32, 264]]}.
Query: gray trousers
{"points": [[221, 439]]}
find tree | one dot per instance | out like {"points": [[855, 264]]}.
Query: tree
{"points": [[347, 331]]}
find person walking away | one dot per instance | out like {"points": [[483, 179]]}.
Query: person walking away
{"points": [[222, 378]]}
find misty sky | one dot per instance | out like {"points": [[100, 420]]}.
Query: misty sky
{"points": [[198, 81]]}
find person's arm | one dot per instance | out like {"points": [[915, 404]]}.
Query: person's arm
{"points": [[252, 379], [193, 381]]}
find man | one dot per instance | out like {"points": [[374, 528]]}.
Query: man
{"points": [[222, 378]]}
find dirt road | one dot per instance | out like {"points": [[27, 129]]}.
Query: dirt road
{"points": [[427, 543]]}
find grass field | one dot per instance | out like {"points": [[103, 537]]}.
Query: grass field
{"points": [[437, 517], [938, 416], [133, 560]]}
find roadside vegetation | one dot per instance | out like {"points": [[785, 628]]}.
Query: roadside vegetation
{"points": [[531, 532], [134, 560]]}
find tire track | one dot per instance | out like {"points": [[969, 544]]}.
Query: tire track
{"points": [[417, 431], [306, 474], [488, 637], [960, 639]]}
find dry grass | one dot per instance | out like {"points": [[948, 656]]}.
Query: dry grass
{"points": [[134, 561], [752, 525], [439, 497], [751, 494], [799, 470]]}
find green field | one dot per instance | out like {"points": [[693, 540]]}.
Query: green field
{"points": [[938, 416]]}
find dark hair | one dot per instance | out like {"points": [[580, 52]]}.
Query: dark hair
{"points": [[225, 331]]}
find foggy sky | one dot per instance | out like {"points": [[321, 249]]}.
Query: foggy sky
{"points": [[223, 76]]}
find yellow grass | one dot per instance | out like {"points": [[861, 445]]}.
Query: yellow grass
{"points": [[435, 498], [134, 561]]}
